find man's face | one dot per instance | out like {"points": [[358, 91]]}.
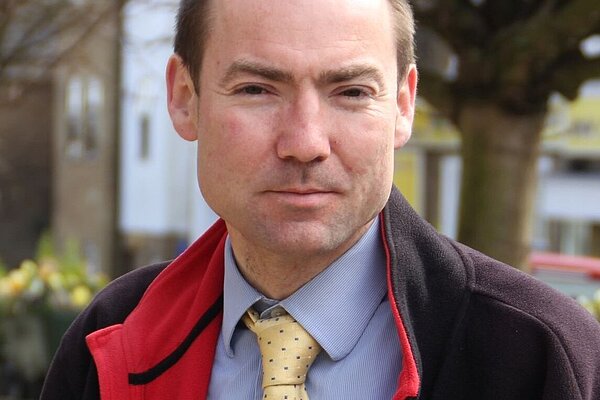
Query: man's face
{"points": [[297, 119]]}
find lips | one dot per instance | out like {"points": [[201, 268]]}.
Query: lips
{"points": [[302, 197], [301, 191]]}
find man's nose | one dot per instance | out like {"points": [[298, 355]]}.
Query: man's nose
{"points": [[304, 135]]}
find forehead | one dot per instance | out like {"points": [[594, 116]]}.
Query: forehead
{"points": [[312, 29]]}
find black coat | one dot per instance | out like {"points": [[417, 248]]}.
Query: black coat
{"points": [[470, 327]]}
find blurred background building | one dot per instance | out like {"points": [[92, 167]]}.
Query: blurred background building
{"points": [[85, 144], [88, 152]]}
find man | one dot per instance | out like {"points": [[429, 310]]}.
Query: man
{"points": [[297, 107]]}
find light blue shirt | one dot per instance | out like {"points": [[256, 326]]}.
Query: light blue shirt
{"points": [[345, 308]]}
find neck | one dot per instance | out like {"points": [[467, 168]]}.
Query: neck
{"points": [[273, 276], [277, 276]]}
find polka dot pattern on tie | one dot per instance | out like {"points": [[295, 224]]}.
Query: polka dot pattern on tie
{"points": [[287, 352]]}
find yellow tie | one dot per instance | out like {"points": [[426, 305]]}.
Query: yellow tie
{"points": [[287, 352]]}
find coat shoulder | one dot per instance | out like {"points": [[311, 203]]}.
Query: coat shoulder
{"points": [[533, 325]]}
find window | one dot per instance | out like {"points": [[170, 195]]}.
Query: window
{"points": [[84, 108], [74, 114], [144, 136], [95, 99]]}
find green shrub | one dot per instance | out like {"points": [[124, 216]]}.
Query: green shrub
{"points": [[51, 282], [38, 301]]}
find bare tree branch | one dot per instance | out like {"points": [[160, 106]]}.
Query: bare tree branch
{"points": [[569, 76], [39, 34], [533, 45], [457, 21], [30, 30], [49, 36], [89, 29], [507, 50]]}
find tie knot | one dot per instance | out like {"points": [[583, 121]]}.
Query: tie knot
{"points": [[287, 349]]}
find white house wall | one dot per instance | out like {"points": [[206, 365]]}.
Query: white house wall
{"points": [[159, 195], [571, 196]]}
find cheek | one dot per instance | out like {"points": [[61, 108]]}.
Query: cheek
{"points": [[217, 149], [238, 150], [367, 150], [231, 140]]}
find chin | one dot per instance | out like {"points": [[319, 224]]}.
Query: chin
{"points": [[318, 241]]}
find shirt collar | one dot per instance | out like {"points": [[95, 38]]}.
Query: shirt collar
{"points": [[238, 296], [335, 307]]}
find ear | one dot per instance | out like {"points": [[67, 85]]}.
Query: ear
{"points": [[407, 93], [182, 100]]}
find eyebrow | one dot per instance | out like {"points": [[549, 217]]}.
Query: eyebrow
{"points": [[344, 74], [352, 72], [240, 67]]}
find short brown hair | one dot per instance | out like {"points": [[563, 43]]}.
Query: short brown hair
{"points": [[193, 28], [191, 33], [404, 24]]}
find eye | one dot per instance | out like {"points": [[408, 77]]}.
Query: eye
{"points": [[356, 93], [252, 90], [353, 92]]}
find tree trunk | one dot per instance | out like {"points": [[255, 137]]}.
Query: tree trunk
{"points": [[500, 153], [595, 240]]}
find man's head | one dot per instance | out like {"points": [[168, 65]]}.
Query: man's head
{"points": [[194, 25], [297, 118]]}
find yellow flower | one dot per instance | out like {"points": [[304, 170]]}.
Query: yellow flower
{"points": [[17, 280], [80, 296], [55, 281], [5, 290], [71, 279], [47, 268], [29, 268]]}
